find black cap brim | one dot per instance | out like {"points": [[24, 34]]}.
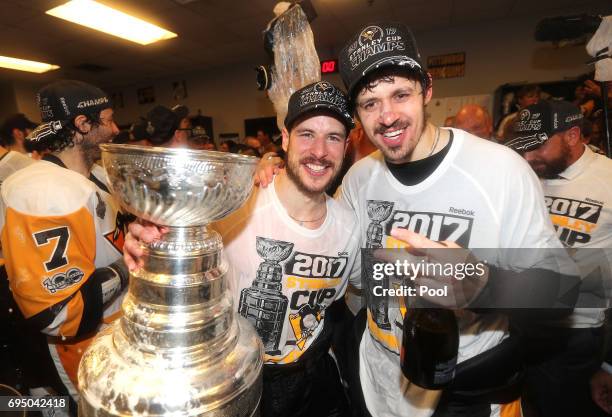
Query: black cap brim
{"points": [[345, 119], [400, 61], [44, 131], [528, 143]]}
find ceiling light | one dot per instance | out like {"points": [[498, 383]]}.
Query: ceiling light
{"points": [[25, 65], [108, 20]]}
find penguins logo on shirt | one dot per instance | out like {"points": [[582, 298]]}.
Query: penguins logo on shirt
{"points": [[304, 323]]}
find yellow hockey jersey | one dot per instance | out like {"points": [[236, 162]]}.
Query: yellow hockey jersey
{"points": [[57, 227]]}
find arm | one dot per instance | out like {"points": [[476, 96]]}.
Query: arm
{"points": [[601, 385], [268, 166], [52, 274], [553, 292]]}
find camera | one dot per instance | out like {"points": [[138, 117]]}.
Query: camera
{"points": [[263, 77]]}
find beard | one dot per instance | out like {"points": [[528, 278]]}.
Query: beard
{"points": [[401, 152], [553, 167], [293, 173], [90, 147]]}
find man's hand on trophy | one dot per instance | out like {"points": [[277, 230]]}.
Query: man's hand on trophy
{"points": [[269, 165], [139, 232], [444, 273]]}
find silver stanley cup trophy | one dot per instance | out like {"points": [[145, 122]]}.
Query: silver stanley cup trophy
{"points": [[179, 349]]}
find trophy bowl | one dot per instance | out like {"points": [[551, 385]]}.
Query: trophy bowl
{"points": [[273, 250], [177, 187]]}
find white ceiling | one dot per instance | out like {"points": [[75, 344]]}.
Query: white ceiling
{"points": [[214, 33]]}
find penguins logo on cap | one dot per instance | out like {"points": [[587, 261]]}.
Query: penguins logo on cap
{"points": [[524, 115], [323, 86], [370, 34]]}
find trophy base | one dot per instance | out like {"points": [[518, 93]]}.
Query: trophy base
{"points": [[117, 380]]}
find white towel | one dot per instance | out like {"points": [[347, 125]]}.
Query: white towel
{"points": [[602, 39]]}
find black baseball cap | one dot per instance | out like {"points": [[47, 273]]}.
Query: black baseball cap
{"points": [[160, 124], [319, 97], [60, 102], [66, 99], [376, 46], [535, 124], [15, 121]]}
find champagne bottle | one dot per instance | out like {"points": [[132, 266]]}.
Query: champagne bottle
{"points": [[430, 343]]}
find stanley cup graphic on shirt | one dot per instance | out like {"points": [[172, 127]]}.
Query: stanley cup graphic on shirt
{"points": [[264, 304], [378, 212]]}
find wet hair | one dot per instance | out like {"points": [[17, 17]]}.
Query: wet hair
{"points": [[387, 74]]}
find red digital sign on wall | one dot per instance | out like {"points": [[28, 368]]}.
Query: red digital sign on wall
{"points": [[330, 66]]}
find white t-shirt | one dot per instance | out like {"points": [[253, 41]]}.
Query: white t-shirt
{"points": [[482, 195], [580, 207], [12, 161], [306, 270], [9, 163]]}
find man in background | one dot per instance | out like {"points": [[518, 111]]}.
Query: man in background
{"points": [[13, 132], [476, 120], [578, 197], [167, 127], [526, 96]]}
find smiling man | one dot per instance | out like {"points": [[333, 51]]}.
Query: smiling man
{"points": [[290, 250], [424, 185]]}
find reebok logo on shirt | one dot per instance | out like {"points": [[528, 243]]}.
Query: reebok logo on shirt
{"points": [[463, 212]]}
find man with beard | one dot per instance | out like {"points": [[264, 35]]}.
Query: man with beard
{"points": [[290, 250], [428, 187], [59, 233], [13, 132], [578, 197]]}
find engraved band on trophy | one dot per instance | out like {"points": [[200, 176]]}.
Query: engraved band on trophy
{"points": [[179, 348], [264, 304]]}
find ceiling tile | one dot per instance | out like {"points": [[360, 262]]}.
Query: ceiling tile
{"points": [[470, 11], [14, 12], [418, 16], [224, 11], [529, 7]]}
